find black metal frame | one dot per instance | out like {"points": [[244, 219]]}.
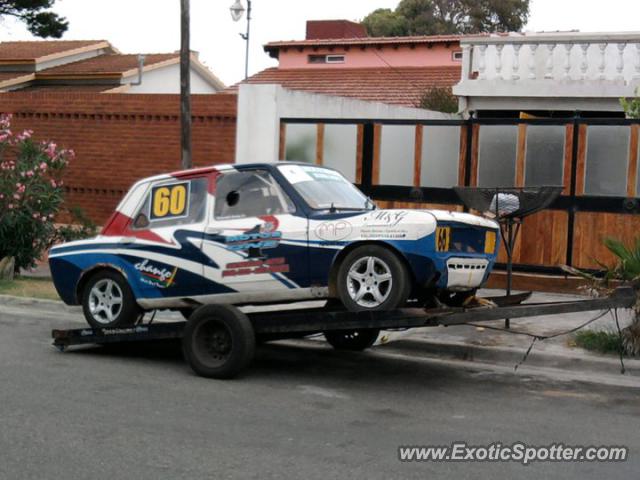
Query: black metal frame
{"points": [[309, 320], [570, 203]]}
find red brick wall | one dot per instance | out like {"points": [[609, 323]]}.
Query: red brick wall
{"points": [[120, 138]]}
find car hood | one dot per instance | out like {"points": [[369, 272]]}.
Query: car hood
{"points": [[388, 224]]}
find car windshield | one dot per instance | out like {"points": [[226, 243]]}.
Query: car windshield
{"points": [[323, 188]]}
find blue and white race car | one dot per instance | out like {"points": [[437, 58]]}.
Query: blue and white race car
{"points": [[267, 233]]}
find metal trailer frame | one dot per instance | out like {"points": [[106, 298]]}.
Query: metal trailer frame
{"points": [[298, 322]]}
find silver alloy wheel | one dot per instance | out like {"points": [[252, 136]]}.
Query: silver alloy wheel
{"points": [[105, 301], [369, 282]]}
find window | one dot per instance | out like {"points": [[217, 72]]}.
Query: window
{"points": [[440, 156], [397, 147], [545, 155], [173, 202], [326, 59], [607, 160], [340, 149], [456, 56], [250, 194], [323, 188], [497, 162], [300, 142]]}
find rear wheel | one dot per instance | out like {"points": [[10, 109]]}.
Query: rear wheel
{"points": [[107, 301], [372, 277]]}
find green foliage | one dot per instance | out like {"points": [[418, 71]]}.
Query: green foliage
{"points": [[599, 341], [36, 14], [627, 267], [441, 17], [439, 99], [31, 194], [631, 106], [384, 22]]}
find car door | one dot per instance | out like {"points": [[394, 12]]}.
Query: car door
{"points": [[164, 248], [257, 237]]}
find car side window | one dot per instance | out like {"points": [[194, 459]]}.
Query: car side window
{"points": [[250, 194], [172, 202]]}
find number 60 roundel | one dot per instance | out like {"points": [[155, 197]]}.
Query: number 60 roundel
{"points": [[169, 201]]}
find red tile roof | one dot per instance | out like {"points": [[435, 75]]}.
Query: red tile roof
{"points": [[68, 88], [273, 47], [400, 86], [31, 50], [113, 64]]}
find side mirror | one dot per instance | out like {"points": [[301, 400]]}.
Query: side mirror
{"points": [[141, 221]]}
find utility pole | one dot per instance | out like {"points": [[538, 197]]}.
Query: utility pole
{"points": [[185, 86], [247, 39]]}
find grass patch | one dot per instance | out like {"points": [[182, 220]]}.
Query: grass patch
{"points": [[598, 341], [29, 287]]}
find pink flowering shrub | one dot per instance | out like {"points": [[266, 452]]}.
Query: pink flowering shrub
{"points": [[31, 193]]}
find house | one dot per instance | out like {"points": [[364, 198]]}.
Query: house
{"points": [[536, 109], [338, 58], [95, 66]]}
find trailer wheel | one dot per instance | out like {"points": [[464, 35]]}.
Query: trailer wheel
{"points": [[218, 341], [354, 340]]}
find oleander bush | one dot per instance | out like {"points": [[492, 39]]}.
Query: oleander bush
{"points": [[31, 194]]}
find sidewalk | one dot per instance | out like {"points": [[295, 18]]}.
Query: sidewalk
{"points": [[482, 344]]}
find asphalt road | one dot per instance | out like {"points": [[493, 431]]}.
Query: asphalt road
{"points": [[301, 411]]}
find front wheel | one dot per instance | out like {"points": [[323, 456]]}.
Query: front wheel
{"points": [[107, 301], [372, 277]]}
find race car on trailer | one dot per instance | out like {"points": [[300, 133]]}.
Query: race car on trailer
{"points": [[267, 233], [209, 240]]}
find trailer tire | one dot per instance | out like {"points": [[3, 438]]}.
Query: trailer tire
{"points": [[218, 341], [353, 340]]}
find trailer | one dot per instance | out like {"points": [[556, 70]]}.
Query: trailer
{"points": [[219, 341]]}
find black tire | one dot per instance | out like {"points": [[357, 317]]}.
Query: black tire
{"points": [[399, 286], [218, 341], [96, 301], [354, 340]]}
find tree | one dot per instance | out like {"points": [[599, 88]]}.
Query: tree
{"points": [[36, 14], [441, 17], [384, 22], [439, 99], [631, 106]]}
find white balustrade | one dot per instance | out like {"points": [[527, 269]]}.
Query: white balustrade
{"points": [[549, 64], [532, 60]]}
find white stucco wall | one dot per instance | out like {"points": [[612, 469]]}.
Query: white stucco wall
{"points": [[260, 108], [167, 80]]}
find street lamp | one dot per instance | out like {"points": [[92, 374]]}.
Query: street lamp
{"points": [[237, 11]]}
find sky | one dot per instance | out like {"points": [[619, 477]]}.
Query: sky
{"points": [[150, 26]]}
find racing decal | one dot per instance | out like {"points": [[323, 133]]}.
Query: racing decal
{"points": [[155, 275], [334, 230], [443, 238], [255, 267], [169, 201], [255, 240]]}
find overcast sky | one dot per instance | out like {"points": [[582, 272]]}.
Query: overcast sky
{"points": [[148, 26]]}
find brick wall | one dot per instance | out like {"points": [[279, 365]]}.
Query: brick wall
{"points": [[120, 138]]}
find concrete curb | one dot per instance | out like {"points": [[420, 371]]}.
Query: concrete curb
{"points": [[577, 361], [40, 303]]}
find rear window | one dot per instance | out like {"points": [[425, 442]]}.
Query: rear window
{"points": [[173, 202]]}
